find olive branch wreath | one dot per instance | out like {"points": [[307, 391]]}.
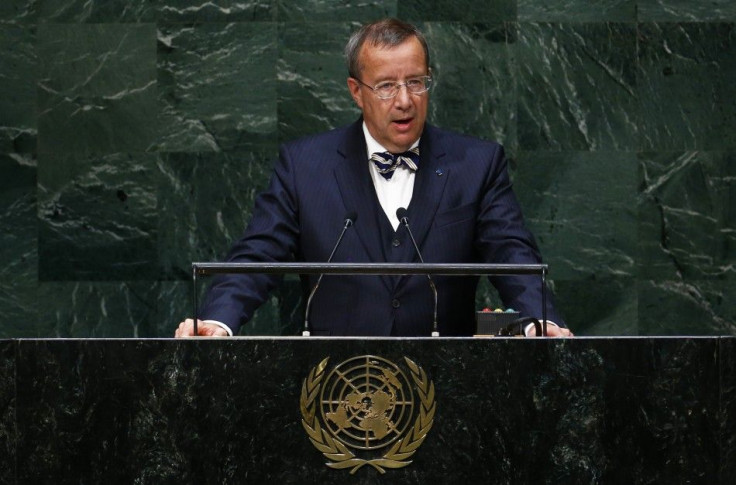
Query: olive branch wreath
{"points": [[341, 456]]}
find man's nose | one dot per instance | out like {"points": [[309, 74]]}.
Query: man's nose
{"points": [[403, 98]]}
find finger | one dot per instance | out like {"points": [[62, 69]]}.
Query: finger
{"points": [[552, 331], [185, 329], [213, 331], [561, 332], [206, 329]]}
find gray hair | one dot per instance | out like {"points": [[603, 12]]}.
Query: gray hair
{"points": [[388, 32]]}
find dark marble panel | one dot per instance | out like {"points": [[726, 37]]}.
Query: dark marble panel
{"points": [[8, 430], [457, 10], [727, 360], [197, 11], [95, 11], [474, 66], [686, 216], [684, 86], [79, 411], [217, 86], [312, 78], [205, 201], [508, 411], [334, 10], [577, 86], [77, 11], [21, 310], [98, 217], [581, 208], [18, 245], [685, 10], [17, 11], [18, 74], [659, 423], [577, 10], [91, 309], [599, 306], [687, 307], [486, 296], [96, 91]]}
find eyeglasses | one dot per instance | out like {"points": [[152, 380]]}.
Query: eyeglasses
{"points": [[389, 89]]}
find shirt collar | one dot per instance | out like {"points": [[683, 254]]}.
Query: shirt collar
{"points": [[373, 146]]}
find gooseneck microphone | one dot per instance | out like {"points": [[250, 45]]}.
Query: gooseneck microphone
{"points": [[350, 218], [404, 219]]}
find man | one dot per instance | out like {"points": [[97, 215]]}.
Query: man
{"points": [[456, 189]]}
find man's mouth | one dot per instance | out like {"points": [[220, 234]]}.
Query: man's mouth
{"points": [[403, 123]]}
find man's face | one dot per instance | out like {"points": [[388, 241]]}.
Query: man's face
{"points": [[397, 122]]}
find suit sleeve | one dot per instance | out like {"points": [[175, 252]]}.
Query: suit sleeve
{"points": [[502, 238], [271, 236]]}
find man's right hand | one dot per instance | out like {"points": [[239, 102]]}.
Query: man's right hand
{"points": [[186, 329]]}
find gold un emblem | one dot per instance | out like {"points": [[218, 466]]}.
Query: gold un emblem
{"points": [[366, 411]]}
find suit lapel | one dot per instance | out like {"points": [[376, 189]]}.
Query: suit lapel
{"points": [[357, 191], [429, 185]]}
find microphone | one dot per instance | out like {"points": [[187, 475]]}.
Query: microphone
{"points": [[401, 215], [350, 218]]}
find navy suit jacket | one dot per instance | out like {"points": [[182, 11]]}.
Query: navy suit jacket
{"points": [[463, 210]]}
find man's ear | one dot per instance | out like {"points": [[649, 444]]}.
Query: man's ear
{"points": [[355, 92]]}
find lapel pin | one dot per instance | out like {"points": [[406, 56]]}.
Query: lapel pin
{"points": [[439, 172]]}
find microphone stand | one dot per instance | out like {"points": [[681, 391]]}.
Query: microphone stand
{"points": [[349, 221], [401, 214]]}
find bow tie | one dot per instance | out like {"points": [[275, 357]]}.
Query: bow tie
{"points": [[387, 162]]}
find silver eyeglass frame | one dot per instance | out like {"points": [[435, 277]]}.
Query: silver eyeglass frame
{"points": [[397, 86]]}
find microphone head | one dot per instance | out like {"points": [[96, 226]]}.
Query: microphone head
{"points": [[350, 218], [401, 214]]}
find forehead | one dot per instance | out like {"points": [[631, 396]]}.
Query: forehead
{"points": [[409, 55]]}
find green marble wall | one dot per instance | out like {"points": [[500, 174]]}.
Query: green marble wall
{"points": [[134, 135]]}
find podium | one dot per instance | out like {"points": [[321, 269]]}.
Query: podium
{"points": [[383, 269], [506, 410]]}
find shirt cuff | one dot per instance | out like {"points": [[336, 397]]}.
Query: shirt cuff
{"points": [[223, 326], [531, 325]]}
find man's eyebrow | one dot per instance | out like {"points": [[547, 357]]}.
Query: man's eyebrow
{"points": [[393, 79]]}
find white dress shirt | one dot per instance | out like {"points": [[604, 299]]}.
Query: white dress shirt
{"points": [[397, 191]]}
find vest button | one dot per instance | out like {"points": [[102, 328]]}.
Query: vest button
{"points": [[395, 303], [396, 243]]}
